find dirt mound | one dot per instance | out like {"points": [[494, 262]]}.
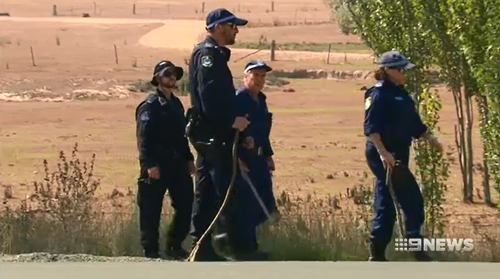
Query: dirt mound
{"points": [[321, 74], [47, 95]]}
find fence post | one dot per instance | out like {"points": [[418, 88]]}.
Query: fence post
{"points": [[328, 57], [54, 10], [116, 55], [273, 50], [32, 57], [203, 7], [133, 9], [272, 6]]}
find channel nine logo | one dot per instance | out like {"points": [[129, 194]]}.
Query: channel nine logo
{"points": [[434, 244]]}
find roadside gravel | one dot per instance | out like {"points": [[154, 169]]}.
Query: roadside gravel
{"points": [[47, 257]]}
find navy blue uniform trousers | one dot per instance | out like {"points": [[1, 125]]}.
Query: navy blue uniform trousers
{"points": [[213, 177], [175, 178], [407, 194]]}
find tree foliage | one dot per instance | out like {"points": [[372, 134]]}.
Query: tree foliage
{"points": [[460, 38]]}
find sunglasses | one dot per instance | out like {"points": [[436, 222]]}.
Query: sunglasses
{"points": [[399, 69], [168, 73], [232, 25]]}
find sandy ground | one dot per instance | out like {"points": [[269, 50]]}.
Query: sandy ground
{"points": [[281, 270]]}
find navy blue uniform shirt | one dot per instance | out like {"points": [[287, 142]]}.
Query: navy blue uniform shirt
{"points": [[260, 120], [160, 131], [390, 111], [212, 87]]}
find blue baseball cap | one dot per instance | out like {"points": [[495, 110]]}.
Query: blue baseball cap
{"points": [[223, 16], [395, 60], [257, 65]]}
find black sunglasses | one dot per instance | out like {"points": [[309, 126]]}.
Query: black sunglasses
{"points": [[232, 25], [168, 73]]}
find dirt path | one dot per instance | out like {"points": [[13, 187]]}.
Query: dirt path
{"points": [[179, 34]]}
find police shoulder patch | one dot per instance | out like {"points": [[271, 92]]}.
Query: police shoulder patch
{"points": [[207, 61], [144, 116], [368, 102]]}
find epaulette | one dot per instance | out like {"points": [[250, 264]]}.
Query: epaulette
{"points": [[379, 83], [241, 90], [151, 98], [209, 45]]}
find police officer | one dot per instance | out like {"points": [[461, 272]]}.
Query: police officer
{"points": [[213, 123], [166, 163], [256, 163], [256, 155], [391, 123]]}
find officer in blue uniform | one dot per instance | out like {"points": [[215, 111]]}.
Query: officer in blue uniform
{"points": [[256, 154], [391, 123], [166, 163], [256, 162], [212, 126]]}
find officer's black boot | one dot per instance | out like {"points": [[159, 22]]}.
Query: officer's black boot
{"points": [[377, 253], [206, 253], [175, 252], [152, 253], [221, 242]]}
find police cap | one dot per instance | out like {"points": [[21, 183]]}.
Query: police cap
{"points": [[395, 60], [162, 67], [223, 16], [257, 65]]}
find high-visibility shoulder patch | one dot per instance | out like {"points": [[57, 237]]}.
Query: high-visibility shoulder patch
{"points": [[368, 102], [144, 116], [207, 61]]}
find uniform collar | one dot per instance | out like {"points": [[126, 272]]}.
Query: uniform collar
{"points": [[261, 95], [224, 50], [161, 97]]}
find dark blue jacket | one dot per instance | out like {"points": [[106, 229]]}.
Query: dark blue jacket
{"points": [[212, 88], [260, 123], [160, 131], [391, 112]]}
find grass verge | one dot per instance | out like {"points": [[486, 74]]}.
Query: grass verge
{"points": [[63, 215], [304, 46]]}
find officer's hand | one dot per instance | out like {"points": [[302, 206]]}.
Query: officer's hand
{"points": [[249, 143], [192, 167], [240, 123], [154, 173], [388, 159], [243, 165], [270, 164]]}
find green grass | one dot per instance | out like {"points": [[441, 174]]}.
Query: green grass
{"points": [[315, 47]]}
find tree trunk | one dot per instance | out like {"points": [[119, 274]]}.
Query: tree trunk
{"points": [[460, 138], [483, 107], [468, 149]]}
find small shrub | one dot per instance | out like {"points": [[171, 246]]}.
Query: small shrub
{"points": [[64, 215], [144, 86]]}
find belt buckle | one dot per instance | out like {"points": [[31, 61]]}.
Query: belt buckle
{"points": [[259, 151]]}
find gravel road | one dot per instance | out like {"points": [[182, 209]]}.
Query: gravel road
{"points": [[49, 266]]}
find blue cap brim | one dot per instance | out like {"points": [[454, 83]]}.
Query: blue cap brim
{"points": [[267, 68], [239, 21]]}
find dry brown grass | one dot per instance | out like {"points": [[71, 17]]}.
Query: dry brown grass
{"points": [[64, 215]]}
